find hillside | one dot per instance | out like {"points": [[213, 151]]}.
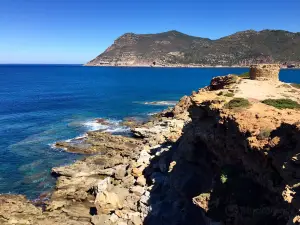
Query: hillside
{"points": [[173, 48]]}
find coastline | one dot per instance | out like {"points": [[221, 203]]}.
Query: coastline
{"points": [[165, 66], [177, 160], [174, 66]]}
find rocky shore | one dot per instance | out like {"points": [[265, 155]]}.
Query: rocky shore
{"points": [[219, 156]]}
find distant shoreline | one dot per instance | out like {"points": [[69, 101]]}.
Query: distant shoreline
{"points": [[166, 66], [173, 66]]}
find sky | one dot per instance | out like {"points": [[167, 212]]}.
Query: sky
{"points": [[76, 31]]}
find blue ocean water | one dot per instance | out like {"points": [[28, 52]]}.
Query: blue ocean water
{"points": [[42, 104]]}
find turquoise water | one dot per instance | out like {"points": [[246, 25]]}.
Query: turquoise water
{"points": [[42, 104]]}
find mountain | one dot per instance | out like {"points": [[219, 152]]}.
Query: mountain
{"points": [[174, 48]]}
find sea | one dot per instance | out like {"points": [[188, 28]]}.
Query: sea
{"points": [[43, 104]]}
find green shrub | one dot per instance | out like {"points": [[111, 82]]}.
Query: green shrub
{"points": [[237, 103], [245, 75], [282, 103], [284, 86], [296, 85], [264, 134], [223, 178], [229, 94]]}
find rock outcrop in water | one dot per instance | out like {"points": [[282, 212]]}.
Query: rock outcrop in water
{"points": [[220, 156], [176, 49]]}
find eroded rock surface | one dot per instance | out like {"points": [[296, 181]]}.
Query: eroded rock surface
{"points": [[197, 163]]}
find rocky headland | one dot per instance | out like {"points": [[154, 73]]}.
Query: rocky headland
{"points": [[227, 154], [176, 49]]}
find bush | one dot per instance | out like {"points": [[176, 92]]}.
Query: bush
{"points": [[264, 134], [223, 178], [245, 75], [282, 103], [229, 94], [284, 86], [296, 85], [237, 103]]}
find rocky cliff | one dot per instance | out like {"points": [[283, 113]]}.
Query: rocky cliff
{"points": [[177, 49], [223, 155]]}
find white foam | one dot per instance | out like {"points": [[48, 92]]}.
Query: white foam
{"points": [[153, 113], [159, 103], [53, 146], [118, 130], [111, 126], [94, 125], [80, 137]]}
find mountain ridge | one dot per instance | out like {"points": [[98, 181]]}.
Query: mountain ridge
{"points": [[174, 48]]}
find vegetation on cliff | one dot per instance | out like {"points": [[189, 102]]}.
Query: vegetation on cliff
{"points": [[245, 75], [282, 103], [296, 85], [238, 103]]}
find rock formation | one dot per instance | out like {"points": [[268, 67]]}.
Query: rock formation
{"points": [[201, 162], [265, 72]]}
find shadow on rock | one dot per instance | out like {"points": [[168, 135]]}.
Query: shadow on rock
{"points": [[211, 175]]}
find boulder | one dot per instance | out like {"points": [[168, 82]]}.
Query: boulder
{"points": [[223, 82], [108, 201], [104, 185], [137, 172], [138, 190], [120, 171], [141, 180], [16, 209], [101, 220], [128, 181]]}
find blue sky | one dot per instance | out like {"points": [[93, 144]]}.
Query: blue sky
{"points": [[75, 31]]}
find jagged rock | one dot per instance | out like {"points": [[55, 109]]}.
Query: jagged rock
{"points": [[223, 82], [82, 169], [114, 218], [144, 158], [101, 142], [112, 200], [145, 198], [107, 201], [101, 220], [103, 121], [130, 216], [103, 185], [120, 171], [137, 172], [121, 223], [141, 180], [131, 202], [128, 181], [131, 122], [138, 190], [16, 209]]}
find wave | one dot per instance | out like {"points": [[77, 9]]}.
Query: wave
{"points": [[111, 126], [153, 113], [159, 103]]}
